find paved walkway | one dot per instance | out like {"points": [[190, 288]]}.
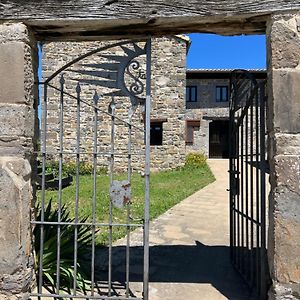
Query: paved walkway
{"points": [[189, 253]]}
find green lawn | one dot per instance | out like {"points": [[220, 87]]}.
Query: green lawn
{"points": [[167, 188]]}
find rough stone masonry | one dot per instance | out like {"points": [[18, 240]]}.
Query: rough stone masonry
{"points": [[55, 20], [168, 104], [284, 131], [17, 119]]}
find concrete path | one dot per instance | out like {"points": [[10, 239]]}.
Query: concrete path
{"points": [[189, 253]]}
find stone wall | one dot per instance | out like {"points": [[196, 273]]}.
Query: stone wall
{"points": [[205, 106], [206, 109], [206, 97], [284, 130], [18, 103], [168, 86]]}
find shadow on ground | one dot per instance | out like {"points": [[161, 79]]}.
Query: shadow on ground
{"points": [[175, 264]]}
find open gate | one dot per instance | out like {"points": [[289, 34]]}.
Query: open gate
{"points": [[111, 85], [248, 167]]}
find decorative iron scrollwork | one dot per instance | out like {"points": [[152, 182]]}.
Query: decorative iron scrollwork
{"points": [[122, 74], [137, 87]]}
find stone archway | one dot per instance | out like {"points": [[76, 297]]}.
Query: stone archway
{"points": [[18, 97]]}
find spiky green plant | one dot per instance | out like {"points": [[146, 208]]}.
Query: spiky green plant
{"points": [[67, 237]]}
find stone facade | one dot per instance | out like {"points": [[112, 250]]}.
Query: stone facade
{"points": [[168, 105], [284, 131], [18, 103], [206, 109], [168, 84]]}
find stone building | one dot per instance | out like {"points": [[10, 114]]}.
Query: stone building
{"points": [[168, 105], [190, 111], [207, 110]]}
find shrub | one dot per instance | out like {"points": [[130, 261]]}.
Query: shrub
{"points": [[69, 168], [52, 167], [67, 235], [84, 168], [195, 160]]}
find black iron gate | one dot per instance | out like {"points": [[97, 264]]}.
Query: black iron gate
{"points": [[248, 167]]}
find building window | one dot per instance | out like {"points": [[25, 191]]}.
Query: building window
{"points": [[222, 93], [191, 94], [191, 127], [156, 133]]}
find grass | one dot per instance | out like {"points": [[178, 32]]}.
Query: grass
{"points": [[167, 188]]}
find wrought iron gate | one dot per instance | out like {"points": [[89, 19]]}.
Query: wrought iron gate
{"points": [[248, 168], [107, 90]]}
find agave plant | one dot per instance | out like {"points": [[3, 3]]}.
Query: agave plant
{"points": [[67, 237]]}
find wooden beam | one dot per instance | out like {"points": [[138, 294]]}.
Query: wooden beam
{"points": [[89, 19], [159, 120]]}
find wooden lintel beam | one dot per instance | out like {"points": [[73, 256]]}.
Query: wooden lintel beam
{"points": [[90, 19], [159, 120]]}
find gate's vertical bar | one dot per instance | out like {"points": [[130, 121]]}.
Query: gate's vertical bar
{"points": [[78, 90], [40, 285], [262, 102], [234, 204], [112, 158], [95, 100], [147, 172], [244, 220], [61, 134], [130, 113], [257, 196], [252, 280], [238, 198], [231, 169], [247, 190]]}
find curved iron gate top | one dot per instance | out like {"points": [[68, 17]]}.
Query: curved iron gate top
{"points": [[248, 167], [110, 74]]}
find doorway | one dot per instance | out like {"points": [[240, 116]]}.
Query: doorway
{"points": [[218, 139], [196, 241]]}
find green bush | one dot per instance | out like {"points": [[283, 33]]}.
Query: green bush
{"points": [[84, 168], [195, 160], [70, 168], [52, 167]]}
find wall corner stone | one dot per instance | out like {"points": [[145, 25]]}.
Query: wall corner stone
{"points": [[18, 113], [284, 132]]}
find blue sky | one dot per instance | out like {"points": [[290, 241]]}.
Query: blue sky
{"points": [[209, 51]]}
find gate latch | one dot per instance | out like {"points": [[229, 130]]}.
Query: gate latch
{"points": [[234, 183]]}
